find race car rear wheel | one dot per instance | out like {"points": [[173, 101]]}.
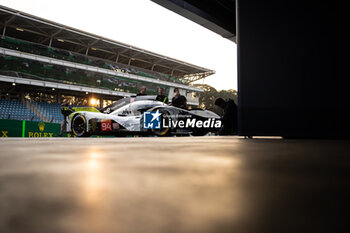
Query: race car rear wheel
{"points": [[79, 126]]}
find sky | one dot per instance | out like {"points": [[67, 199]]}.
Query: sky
{"points": [[146, 25]]}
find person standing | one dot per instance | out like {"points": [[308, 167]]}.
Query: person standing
{"points": [[161, 97], [67, 111], [229, 118], [142, 92], [178, 100]]}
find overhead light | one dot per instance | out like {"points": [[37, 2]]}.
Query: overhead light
{"points": [[20, 29], [87, 93], [13, 84], [93, 48], [60, 40], [53, 89], [93, 102]]}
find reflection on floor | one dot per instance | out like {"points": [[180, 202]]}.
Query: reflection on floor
{"points": [[183, 184]]}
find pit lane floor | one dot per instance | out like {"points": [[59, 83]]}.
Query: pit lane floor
{"points": [[183, 184]]}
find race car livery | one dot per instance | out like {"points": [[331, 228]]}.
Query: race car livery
{"points": [[141, 115]]}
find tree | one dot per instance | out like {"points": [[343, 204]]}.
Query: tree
{"points": [[210, 94]]}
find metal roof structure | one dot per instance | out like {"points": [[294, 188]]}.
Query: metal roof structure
{"points": [[4, 51], [218, 16], [28, 27]]}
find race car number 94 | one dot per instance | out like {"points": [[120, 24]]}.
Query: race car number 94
{"points": [[106, 125]]}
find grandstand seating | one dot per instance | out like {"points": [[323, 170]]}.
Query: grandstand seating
{"points": [[42, 50], [16, 110], [50, 111], [67, 75]]}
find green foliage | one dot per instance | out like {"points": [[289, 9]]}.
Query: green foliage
{"points": [[207, 99]]}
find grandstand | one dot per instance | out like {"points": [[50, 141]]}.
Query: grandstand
{"points": [[43, 63], [16, 110]]}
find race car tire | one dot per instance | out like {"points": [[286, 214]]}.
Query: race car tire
{"points": [[162, 132], [79, 126]]}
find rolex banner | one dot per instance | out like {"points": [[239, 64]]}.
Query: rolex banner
{"points": [[10, 128], [31, 129], [17, 128], [41, 129]]}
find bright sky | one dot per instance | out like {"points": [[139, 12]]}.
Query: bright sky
{"points": [[146, 25]]}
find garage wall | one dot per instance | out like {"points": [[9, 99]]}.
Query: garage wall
{"points": [[292, 71]]}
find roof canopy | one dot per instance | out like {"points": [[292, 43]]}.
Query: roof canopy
{"points": [[218, 16], [31, 28]]}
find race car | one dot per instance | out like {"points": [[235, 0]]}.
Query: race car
{"points": [[129, 116]]}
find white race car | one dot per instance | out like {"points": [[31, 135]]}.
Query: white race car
{"points": [[126, 117]]}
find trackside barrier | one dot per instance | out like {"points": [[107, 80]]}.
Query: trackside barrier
{"points": [[10, 128], [31, 129]]}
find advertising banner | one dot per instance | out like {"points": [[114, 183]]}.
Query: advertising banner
{"points": [[18, 128], [10, 128], [35, 129]]}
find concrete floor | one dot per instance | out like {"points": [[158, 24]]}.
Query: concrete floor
{"points": [[183, 184]]}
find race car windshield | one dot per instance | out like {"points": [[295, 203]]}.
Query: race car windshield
{"points": [[136, 108], [141, 106], [122, 111]]}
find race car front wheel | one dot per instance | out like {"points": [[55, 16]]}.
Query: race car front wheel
{"points": [[163, 132], [79, 126]]}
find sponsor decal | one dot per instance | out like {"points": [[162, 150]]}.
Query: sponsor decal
{"points": [[116, 126], [126, 112], [106, 125], [151, 120]]}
